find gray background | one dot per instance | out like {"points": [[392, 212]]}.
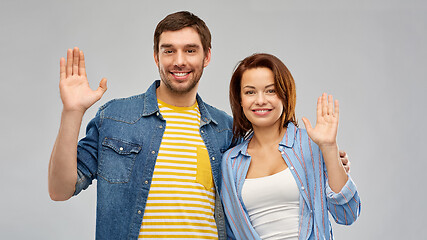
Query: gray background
{"points": [[370, 54]]}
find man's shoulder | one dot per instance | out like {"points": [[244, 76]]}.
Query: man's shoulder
{"points": [[128, 109], [218, 114], [123, 101]]}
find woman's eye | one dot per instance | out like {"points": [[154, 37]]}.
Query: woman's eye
{"points": [[271, 91], [250, 92]]}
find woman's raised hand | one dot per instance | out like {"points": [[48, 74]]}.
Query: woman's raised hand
{"points": [[324, 133], [76, 94]]}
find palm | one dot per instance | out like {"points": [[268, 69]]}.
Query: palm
{"points": [[325, 131], [76, 93]]}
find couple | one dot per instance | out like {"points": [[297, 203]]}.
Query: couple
{"points": [[157, 157]]}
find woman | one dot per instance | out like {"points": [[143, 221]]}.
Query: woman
{"points": [[281, 181]]}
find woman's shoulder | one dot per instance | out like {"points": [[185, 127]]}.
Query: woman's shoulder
{"points": [[294, 134], [234, 151], [231, 154]]}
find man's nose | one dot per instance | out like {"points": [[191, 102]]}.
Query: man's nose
{"points": [[180, 59]]}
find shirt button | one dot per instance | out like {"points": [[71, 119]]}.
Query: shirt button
{"points": [[202, 131], [160, 126], [139, 211], [121, 149], [213, 158], [153, 152], [292, 168], [146, 182], [157, 113], [302, 188]]}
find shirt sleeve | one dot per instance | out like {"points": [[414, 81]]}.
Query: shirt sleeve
{"points": [[87, 155], [345, 205]]}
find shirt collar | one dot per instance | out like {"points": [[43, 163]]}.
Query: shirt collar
{"points": [[151, 106], [287, 140], [290, 135]]}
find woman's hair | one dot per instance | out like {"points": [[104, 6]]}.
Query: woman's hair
{"points": [[284, 85]]}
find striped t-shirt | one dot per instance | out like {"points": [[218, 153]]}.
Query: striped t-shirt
{"points": [[181, 200]]}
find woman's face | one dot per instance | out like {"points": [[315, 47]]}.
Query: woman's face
{"points": [[260, 103]]}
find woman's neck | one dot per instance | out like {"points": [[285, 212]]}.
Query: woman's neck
{"points": [[266, 137]]}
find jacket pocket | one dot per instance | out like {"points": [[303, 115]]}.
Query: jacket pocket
{"points": [[117, 160], [204, 171]]}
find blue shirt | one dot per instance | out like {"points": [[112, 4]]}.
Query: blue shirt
{"points": [[120, 151], [305, 161]]}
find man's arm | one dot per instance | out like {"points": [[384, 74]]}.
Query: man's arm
{"points": [[77, 97]]}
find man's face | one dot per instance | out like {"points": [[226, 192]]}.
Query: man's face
{"points": [[181, 60]]}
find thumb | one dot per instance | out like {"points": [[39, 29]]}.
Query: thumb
{"points": [[307, 124], [102, 87]]}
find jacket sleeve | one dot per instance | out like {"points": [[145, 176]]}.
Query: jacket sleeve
{"points": [[344, 206], [87, 155]]}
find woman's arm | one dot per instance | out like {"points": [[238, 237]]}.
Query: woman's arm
{"points": [[324, 134]]}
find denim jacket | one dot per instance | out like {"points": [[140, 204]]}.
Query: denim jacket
{"points": [[120, 151]]}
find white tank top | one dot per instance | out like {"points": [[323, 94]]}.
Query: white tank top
{"points": [[272, 203]]}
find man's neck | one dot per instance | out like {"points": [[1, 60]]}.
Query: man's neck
{"points": [[176, 99]]}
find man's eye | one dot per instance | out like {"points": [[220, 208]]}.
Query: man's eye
{"points": [[168, 51], [191, 51]]}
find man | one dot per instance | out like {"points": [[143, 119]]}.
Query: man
{"points": [[156, 156]]}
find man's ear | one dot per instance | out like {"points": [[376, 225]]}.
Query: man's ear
{"points": [[207, 58], [156, 58]]}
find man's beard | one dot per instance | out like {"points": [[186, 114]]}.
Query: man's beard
{"points": [[169, 84]]}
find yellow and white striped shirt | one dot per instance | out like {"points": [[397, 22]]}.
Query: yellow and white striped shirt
{"points": [[181, 200]]}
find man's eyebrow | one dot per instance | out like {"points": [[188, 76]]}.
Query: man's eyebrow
{"points": [[166, 45], [192, 45]]}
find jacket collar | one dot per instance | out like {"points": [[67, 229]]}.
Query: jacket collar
{"points": [[151, 106]]}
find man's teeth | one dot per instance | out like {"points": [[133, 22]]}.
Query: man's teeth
{"points": [[180, 74], [263, 110]]}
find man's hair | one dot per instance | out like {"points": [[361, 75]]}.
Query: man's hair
{"points": [[284, 85], [179, 20]]}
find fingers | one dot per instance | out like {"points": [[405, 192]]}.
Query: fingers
{"points": [[347, 168], [62, 74], [337, 109], [319, 107], [330, 105], [345, 162], [69, 63], [82, 68], [75, 64], [324, 104], [76, 56], [327, 106]]}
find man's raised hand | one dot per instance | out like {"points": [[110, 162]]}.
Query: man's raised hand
{"points": [[76, 94]]}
